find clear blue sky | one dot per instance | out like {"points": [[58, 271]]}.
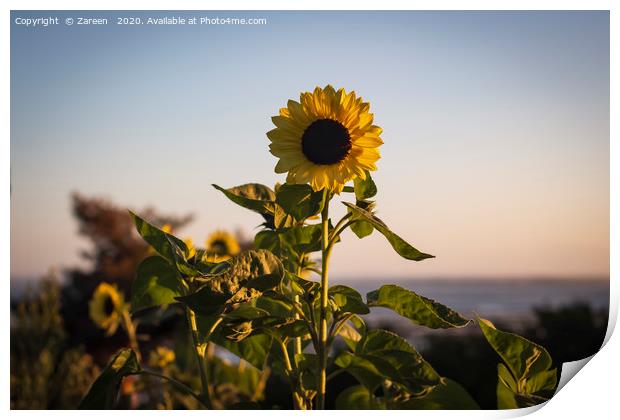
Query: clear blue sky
{"points": [[496, 130]]}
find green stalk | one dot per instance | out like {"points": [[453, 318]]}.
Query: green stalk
{"points": [[297, 400], [297, 347], [322, 350], [200, 356], [130, 329]]}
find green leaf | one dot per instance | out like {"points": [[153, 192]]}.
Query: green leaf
{"points": [[522, 357], [254, 349], [399, 244], [290, 242], [299, 200], [448, 395], [357, 398], [526, 378], [362, 228], [416, 374], [348, 300], [255, 197], [276, 304], [420, 310], [269, 240], [304, 239], [350, 335], [168, 246], [247, 311], [157, 283], [102, 393], [364, 188], [369, 370], [249, 274], [381, 355]]}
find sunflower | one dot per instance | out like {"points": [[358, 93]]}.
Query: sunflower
{"points": [[106, 306], [326, 139], [161, 357], [221, 245]]}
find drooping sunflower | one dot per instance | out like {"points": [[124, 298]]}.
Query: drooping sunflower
{"points": [[326, 139], [221, 245], [106, 306]]}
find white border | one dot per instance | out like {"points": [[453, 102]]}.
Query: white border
{"points": [[592, 395]]}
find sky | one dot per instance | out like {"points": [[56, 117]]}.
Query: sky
{"points": [[496, 131]]}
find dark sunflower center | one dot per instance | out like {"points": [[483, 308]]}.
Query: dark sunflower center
{"points": [[108, 306], [326, 142], [219, 247]]}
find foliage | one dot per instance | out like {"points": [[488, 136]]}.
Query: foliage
{"points": [[263, 306], [46, 372], [258, 306]]}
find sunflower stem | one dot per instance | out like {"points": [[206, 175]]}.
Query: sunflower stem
{"points": [[200, 358], [322, 350], [130, 329]]}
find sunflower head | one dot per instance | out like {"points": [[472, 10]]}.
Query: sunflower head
{"points": [[326, 139], [106, 306], [161, 357], [221, 245]]}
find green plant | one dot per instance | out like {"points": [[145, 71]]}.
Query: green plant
{"points": [[261, 306], [46, 372]]}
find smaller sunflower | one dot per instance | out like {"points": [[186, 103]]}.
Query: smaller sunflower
{"points": [[161, 357], [106, 306], [221, 245]]}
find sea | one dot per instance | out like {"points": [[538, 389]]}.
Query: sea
{"points": [[509, 301]]}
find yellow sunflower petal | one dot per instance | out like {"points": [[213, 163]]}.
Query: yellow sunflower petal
{"points": [[326, 139]]}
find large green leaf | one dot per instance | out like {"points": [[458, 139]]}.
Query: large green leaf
{"points": [[299, 200], [102, 393], [358, 397], [399, 244], [418, 376], [369, 370], [157, 283], [448, 395], [420, 310], [520, 355], [382, 355], [249, 274], [347, 299], [526, 378]]}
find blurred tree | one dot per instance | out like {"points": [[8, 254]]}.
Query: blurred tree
{"points": [[115, 252]]}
